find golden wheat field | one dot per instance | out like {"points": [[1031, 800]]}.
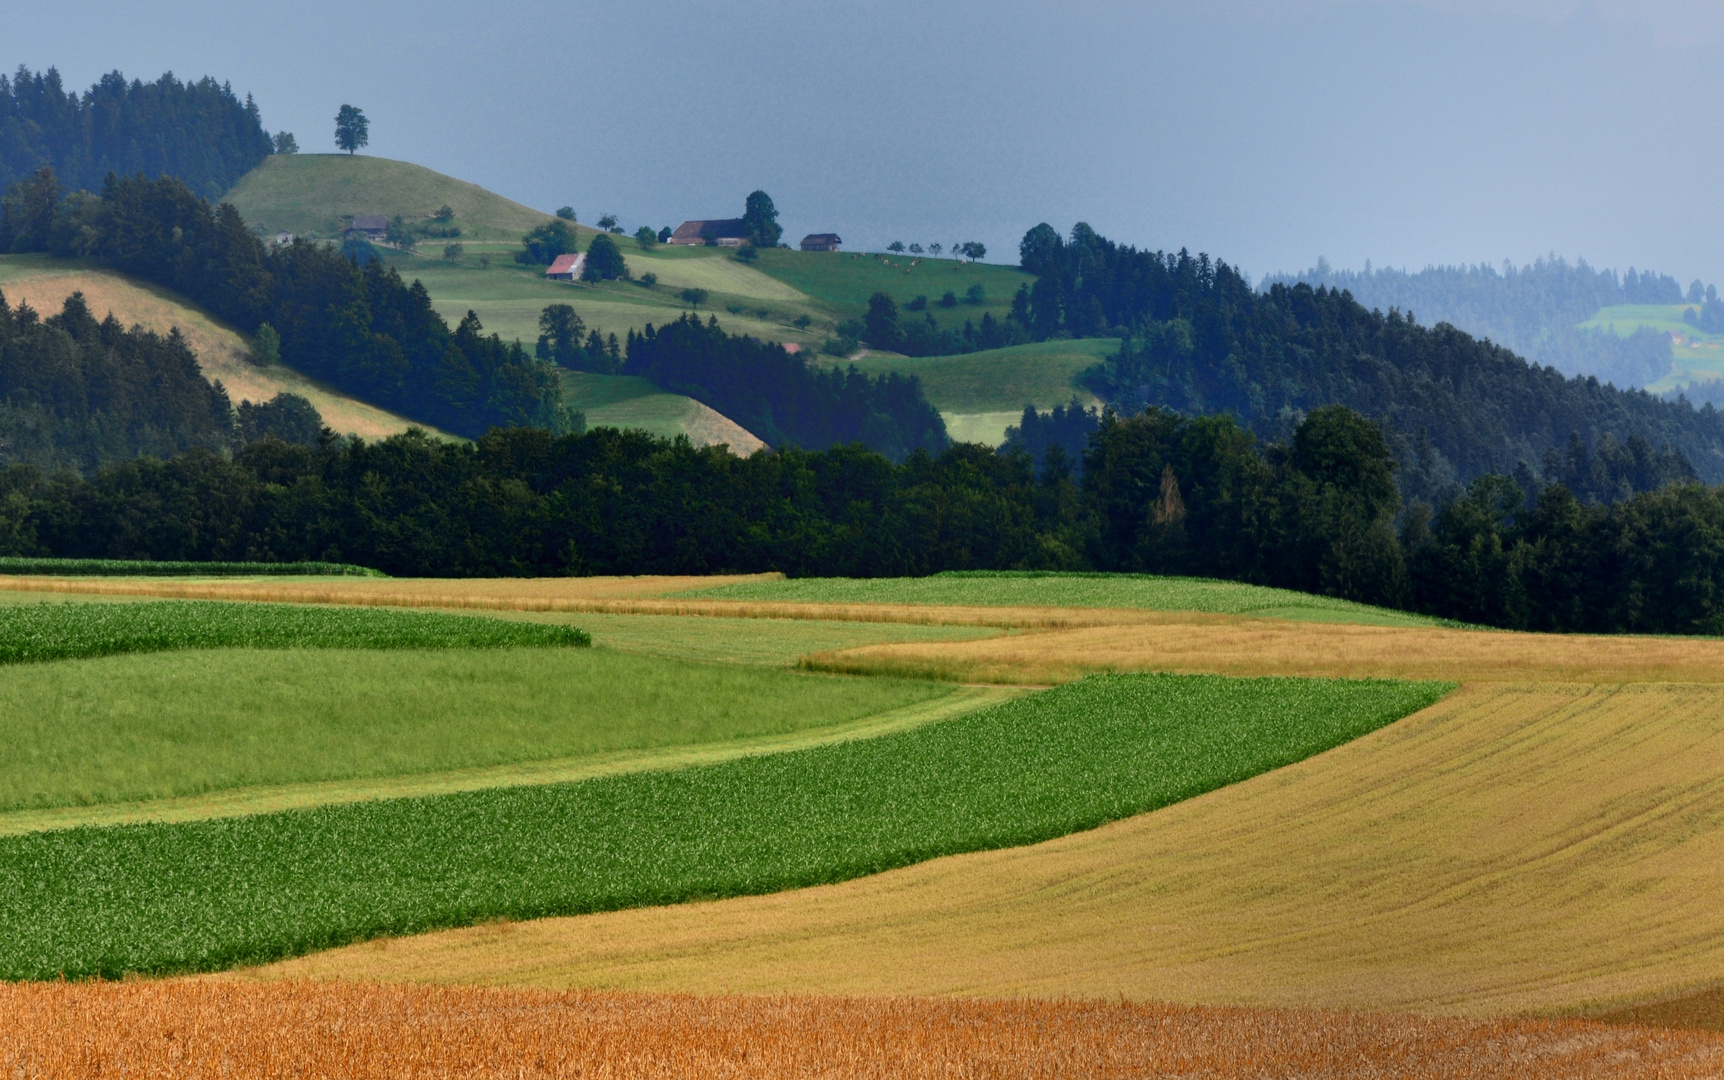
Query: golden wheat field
{"points": [[193, 1030], [1509, 850]]}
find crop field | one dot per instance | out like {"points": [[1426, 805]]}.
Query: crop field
{"points": [[222, 352], [16, 565], [1037, 589], [190, 1030], [1509, 850], [38, 632], [149, 727], [213, 894]]}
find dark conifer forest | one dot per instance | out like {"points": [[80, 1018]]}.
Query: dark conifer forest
{"points": [[196, 131]]}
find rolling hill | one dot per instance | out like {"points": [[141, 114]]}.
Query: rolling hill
{"points": [[315, 195], [45, 282]]}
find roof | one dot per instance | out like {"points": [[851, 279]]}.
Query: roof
{"points": [[566, 264], [822, 238], [714, 229], [370, 222]]}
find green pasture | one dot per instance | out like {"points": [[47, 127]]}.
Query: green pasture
{"points": [[981, 393], [626, 401], [845, 280], [314, 195], [1695, 354], [1038, 589], [128, 728], [215, 894]]}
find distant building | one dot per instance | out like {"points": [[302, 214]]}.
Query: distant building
{"points": [[566, 268], [720, 232], [821, 241], [370, 226], [284, 238]]}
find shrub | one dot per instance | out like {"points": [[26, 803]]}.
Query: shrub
{"points": [[950, 299], [920, 303]]}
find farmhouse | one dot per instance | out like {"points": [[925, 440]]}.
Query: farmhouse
{"points": [[283, 238], [566, 268], [821, 241], [720, 232], [370, 226]]}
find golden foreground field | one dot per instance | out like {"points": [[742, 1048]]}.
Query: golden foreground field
{"points": [[193, 1030], [1509, 850]]}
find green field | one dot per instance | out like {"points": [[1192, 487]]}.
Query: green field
{"points": [[315, 195], [765, 642], [843, 281], [1696, 355], [981, 394], [17, 564], [34, 633], [216, 894], [1038, 589], [128, 728]]}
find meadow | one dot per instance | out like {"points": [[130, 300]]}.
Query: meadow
{"points": [[632, 402], [1077, 590], [214, 894]]}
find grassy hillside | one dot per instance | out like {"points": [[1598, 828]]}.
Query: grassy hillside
{"points": [[843, 282], [316, 195], [626, 401], [45, 282], [1696, 355]]}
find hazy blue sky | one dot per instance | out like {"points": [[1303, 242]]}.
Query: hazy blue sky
{"points": [[1265, 133]]}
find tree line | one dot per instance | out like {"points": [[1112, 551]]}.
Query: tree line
{"points": [[1160, 492], [1532, 309], [198, 131], [361, 329]]}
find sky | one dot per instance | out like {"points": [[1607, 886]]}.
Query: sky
{"points": [[1267, 134]]}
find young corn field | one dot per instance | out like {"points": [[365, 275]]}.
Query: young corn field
{"points": [[202, 1030], [39, 632], [209, 895]]}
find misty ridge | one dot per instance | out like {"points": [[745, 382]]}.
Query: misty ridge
{"points": [[1535, 310]]}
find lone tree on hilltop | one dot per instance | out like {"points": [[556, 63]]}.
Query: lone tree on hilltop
{"points": [[285, 143], [352, 130], [760, 221]]}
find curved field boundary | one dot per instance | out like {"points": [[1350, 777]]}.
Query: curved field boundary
{"points": [[1510, 850], [213, 894], [193, 1030], [279, 797], [1225, 645]]}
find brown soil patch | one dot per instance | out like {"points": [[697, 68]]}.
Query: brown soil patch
{"points": [[1506, 851], [1701, 1011], [191, 1030]]}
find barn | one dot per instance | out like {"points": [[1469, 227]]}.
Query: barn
{"points": [[821, 241], [719, 232], [370, 226], [566, 268]]}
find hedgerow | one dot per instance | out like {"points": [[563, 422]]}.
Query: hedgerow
{"points": [[20, 565], [36, 632], [215, 894]]}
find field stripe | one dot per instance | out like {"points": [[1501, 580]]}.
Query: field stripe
{"points": [[190, 1030], [1511, 849], [274, 798]]}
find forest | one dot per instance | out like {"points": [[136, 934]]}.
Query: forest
{"points": [[1532, 309], [197, 131], [778, 397], [1159, 492], [363, 330], [1195, 336]]}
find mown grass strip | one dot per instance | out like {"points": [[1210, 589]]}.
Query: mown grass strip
{"points": [[37, 632], [211, 895], [13, 564]]}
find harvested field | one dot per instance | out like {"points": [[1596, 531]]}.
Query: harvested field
{"points": [[1702, 1011], [1235, 646], [1509, 850], [191, 1030]]}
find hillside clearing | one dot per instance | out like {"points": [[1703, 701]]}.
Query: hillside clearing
{"points": [[631, 402], [222, 352], [204, 1029], [1511, 849], [1001, 380]]}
